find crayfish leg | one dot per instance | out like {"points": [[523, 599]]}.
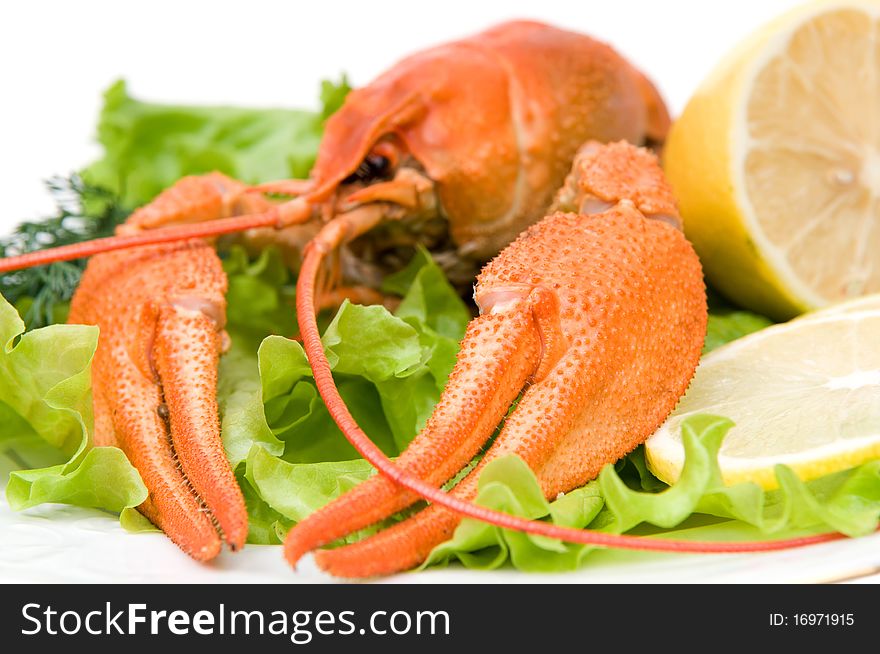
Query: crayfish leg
{"points": [[192, 199]]}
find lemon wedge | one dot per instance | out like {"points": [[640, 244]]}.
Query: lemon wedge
{"points": [[805, 394], [866, 303], [776, 162]]}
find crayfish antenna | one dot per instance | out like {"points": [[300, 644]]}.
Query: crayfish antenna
{"points": [[194, 207], [125, 242]]}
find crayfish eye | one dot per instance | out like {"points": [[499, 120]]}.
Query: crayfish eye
{"points": [[372, 168]]}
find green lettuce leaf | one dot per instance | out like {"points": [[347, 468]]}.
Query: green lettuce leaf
{"points": [[728, 325], [728, 322], [848, 502], [259, 303], [265, 524], [45, 418], [390, 369], [507, 484], [295, 490], [699, 505], [147, 147]]}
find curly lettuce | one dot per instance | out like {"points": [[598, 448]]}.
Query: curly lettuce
{"points": [[699, 505], [46, 418], [390, 368], [148, 147], [728, 323]]}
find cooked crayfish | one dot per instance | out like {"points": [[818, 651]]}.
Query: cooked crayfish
{"points": [[595, 316], [478, 134]]}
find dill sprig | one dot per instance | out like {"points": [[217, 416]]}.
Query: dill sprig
{"points": [[84, 212]]}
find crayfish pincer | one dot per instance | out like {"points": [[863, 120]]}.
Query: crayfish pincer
{"points": [[594, 318], [598, 312]]}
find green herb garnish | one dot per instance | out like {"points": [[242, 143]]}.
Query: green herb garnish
{"points": [[85, 212]]}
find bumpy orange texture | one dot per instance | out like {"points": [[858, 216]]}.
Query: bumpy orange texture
{"points": [[598, 320], [154, 379]]}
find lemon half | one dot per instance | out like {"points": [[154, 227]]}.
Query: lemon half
{"points": [[805, 394], [776, 162]]}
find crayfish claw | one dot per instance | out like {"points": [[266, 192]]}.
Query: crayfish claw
{"points": [[602, 317], [154, 378], [604, 175]]}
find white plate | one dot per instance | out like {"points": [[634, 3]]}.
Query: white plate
{"points": [[68, 544]]}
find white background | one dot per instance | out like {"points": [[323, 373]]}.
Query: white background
{"points": [[56, 58]]}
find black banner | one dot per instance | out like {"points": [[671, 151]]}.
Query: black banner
{"points": [[435, 617]]}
